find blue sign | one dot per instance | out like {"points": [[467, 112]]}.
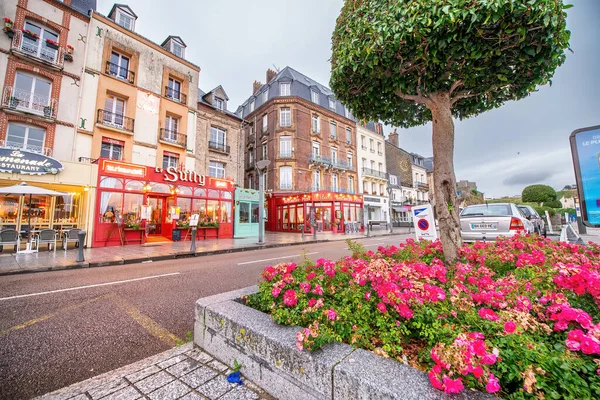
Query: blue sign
{"points": [[26, 162], [585, 149]]}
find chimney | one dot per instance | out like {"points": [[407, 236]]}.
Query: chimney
{"points": [[270, 75], [257, 85], [394, 138], [379, 128]]}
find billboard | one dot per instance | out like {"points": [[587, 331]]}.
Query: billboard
{"points": [[585, 149]]}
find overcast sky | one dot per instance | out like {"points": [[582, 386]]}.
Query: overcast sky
{"points": [[521, 143]]}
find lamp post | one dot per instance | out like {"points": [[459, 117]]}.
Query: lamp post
{"points": [[261, 166], [389, 190]]}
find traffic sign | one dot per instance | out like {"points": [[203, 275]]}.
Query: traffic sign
{"points": [[423, 224]]}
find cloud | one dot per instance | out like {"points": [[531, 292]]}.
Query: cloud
{"points": [[528, 178]]}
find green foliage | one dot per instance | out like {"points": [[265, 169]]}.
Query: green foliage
{"points": [[538, 194], [542, 210], [236, 366], [553, 204], [482, 53], [570, 211]]}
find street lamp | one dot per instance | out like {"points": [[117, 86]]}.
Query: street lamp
{"points": [[389, 190], [261, 166]]}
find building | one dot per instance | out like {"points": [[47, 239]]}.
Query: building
{"points": [[219, 142], [429, 169], [466, 186], [42, 53], [400, 179], [309, 137], [420, 185], [372, 170]]}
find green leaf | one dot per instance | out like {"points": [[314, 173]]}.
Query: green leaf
{"points": [[503, 78], [530, 51], [567, 6]]}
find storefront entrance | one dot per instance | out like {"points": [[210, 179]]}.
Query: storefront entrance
{"points": [[157, 215]]}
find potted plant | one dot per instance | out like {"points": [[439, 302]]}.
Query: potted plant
{"points": [[68, 57], [47, 111], [13, 102], [70, 49], [30, 35], [8, 27], [52, 44]]}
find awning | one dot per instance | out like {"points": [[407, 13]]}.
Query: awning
{"points": [[400, 209]]}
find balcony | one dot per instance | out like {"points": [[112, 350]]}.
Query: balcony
{"points": [[222, 147], [47, 151], [333, 137], [333, 189], [319, 160], [113, 120], [28, 102], [341, 165], [373, 173], [285, 186], [173, 94], [119, 72], [422, 185], [24, 44], [285, 155], [173, 137]]}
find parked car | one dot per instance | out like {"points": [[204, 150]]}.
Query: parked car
{"points": [[538, 222], [486, 222]]}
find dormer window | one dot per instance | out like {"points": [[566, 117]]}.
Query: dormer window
{"points": [[175, 45], [125, 19], [332, 104], [219, 103], [176, 49], [314, 95], [285, 89]]}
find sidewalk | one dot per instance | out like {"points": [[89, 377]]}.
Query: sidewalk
{"points": [[117, 255], [184, 372]]}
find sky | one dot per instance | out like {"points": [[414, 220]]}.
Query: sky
{"points": [[521, 143]]}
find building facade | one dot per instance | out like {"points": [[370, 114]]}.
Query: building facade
{"points": [[310, 139], [372, 171], [400, 179], [420, 184]]}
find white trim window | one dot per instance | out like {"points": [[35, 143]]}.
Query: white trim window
{"points": [[119, 65], [171, 128], [348, 136], [314, 96], [393, 180], [40, 47], [252, 106], [316, 123], [112, 149], [219, 103], [350, 184], [332, 104], [265, 96], [380, 167], [174, 89], [349, 158], [114, 111], [334, 182], [379, 148], [125, 19], [170, 160], [333, 130], [265, 123], [218, 138], [27, 137], [285, 146], [285, 177], [177, 49], [32, 92], [334, 155], [316, 180], [364, 163], [285, 116], [216, 169], [316, 149], [285, 89]]}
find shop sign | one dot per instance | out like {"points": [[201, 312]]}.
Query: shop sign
{"points": [[124, 169], [372, 200], [172, 174], [27, 162], [585, 149]]}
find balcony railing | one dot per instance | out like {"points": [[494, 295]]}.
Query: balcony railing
{"points": [[87, 160], [285, 155], [333, 189], [373, 173], [317, 159], [218, 146], [26, 101], [47, 151], [372, 150], [379, 152], [176, 95], [422, 185], [364, 147], [285, 186], [173, 137], [37, 48], [120, 72], [114, 120]]}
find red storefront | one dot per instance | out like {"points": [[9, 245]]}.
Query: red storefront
{"points": [[333, 211], [141, 204]]}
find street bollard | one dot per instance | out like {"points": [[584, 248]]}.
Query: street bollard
{"points": [[369, 229], [193, 246], [302, 231], [81, 237], [315, 232]]}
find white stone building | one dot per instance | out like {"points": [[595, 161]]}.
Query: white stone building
{"points": [[372, 170]]}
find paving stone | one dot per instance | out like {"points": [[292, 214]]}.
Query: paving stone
{"points": [[219, 366], [153, 382], [108, 388], [252, 386], [240, 393], [172, 391], [198, 377], [192, 396], [199, 355], [139, 375], [171, 361], [216, 388], [79, 397], [129, 393], [183, 367]]}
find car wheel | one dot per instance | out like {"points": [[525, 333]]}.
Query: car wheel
{"points": [[545, 233]]}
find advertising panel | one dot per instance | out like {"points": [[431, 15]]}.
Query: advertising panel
{"points": [[585, 149]]}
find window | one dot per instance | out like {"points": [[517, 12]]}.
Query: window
{"points": [[373, 190], [285, 146], [171, 128], [285, 117], [316, 124], [381, 189], [362, 143], [125, 20], [114, 110], [250, 158], [349, 158], [216, 169], [333, 130], [314, 96], [26, 137], [316, 180], [332, 104], [379, 148], [252, 106], [170, 160], [219, 103], [350, 184], [316, 149], [32, 93], [119, 65], [393, 180], [265, 96], [372, 145], [348, 136], [174, 89], [285, 89], [373, 165], [334, 156], [285, 177], [364, 163], [40, 47], [334, 182], [177, 49], [265, 123], [218, 138], [380, 167], [264, 151]]}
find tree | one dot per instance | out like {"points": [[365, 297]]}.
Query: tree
{"points": [[409, 62], [553, 204], [538, 194]]}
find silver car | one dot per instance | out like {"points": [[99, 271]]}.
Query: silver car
{"points": [[538, 222], [486, 222]]}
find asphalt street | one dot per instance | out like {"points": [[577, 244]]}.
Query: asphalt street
{"points": [[58, 328]]}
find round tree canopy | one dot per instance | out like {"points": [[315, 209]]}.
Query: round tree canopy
{"points": [[389, 57], [538, 194]]}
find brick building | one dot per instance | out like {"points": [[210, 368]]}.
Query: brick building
{"points": [[400, 179], [310, 139]]}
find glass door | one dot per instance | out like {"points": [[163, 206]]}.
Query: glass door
{"points": [[156, 216]]}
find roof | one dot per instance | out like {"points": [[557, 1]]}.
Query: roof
{"points": [[202, 94], [173, 37], [217, 88], [429, 164], [117, 5], [83, 6]]}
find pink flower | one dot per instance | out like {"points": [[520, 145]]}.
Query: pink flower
{"points": [[435, 382], [382, 307], [331, 314], [368, 296], [310, 276], [573, 345], [509, 327], [489, 359], [289, 298], [477, 371], [318, 290], [275, 292], [492, 385], [312, 302], [487, 313], [453, 385], [305, 287]]}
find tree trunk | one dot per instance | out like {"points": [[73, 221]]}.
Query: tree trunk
{"points": [[444, 180]]}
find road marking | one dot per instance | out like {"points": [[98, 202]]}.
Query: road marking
{"points": [[89, 286], [369, 245], [277, 258]]}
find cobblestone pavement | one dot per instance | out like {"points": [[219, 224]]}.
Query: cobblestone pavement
{"points": [[184, 372]]}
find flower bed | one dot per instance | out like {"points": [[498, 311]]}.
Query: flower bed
{"points": [[518, 318]]}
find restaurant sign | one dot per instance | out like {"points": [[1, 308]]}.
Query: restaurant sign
{"points": [[27, 162]]}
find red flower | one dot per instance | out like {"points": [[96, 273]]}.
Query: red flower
{"points": [[487, 313], [382, 307], [492, 385], [289, 298], [509, 327], [453, 385]]}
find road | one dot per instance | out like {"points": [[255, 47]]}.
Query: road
{"points": [[58, 328]]}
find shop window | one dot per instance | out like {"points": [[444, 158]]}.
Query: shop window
{"points": [[214, 194], [137, 186], [226, 212], [132, 209], [185, 191], [25, 137], [244, 213], [199, 207], [254, 209], [160, 188], [212, 211], [39, 207], [185, 209], [200, 192], [32, 93], [110, 206], [66, 209], [9, 211], [170, 160], [112, 149], [44, 47], [113, 183], [226, 195]]}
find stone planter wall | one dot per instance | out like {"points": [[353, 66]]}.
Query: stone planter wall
{"points": [[230, 330]]}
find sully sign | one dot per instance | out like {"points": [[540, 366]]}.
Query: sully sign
{"points": [[26, 162]]}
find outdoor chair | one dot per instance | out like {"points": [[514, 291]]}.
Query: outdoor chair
{"points": [[47, 236], [10, 236], [70, 236]]}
